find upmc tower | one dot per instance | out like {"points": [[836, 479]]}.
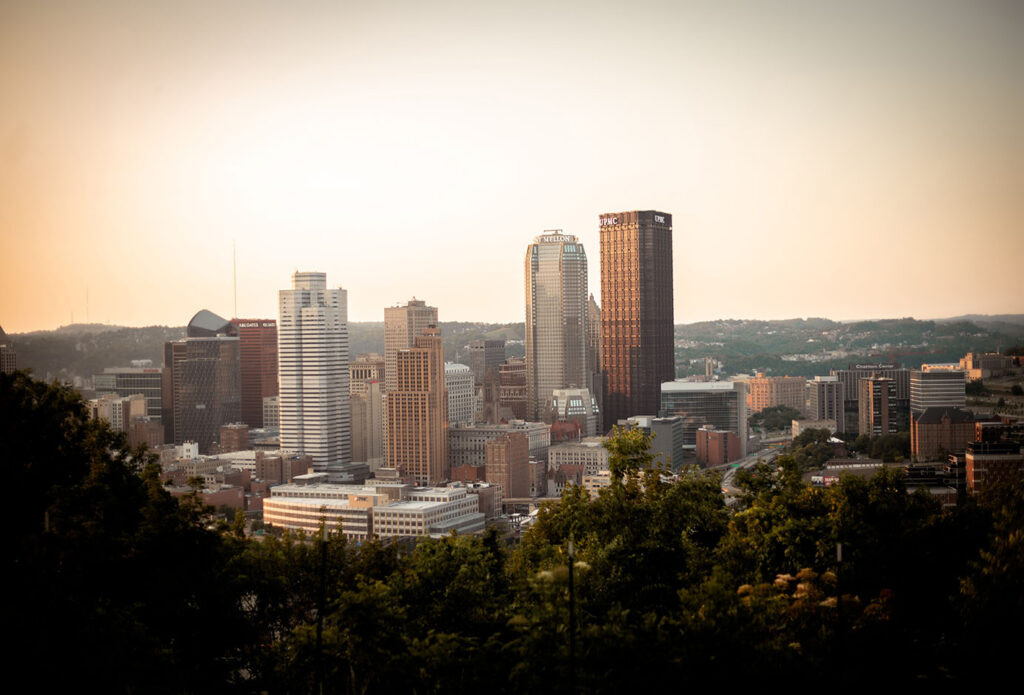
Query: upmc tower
{"points": [[637, 348]]}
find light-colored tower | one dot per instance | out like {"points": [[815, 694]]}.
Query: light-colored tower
{"points": [[313, 363], [458, 380], [402, 325], [556, 318], [417, 433]]}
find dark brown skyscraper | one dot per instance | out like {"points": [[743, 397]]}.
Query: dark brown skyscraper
{"points": [[637, 351]]}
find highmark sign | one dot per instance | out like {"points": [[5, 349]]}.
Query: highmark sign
{"points": [[258, 324]]}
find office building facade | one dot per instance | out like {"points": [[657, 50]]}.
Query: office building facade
{"points": [[402, 325], [257, 346], [637, 346], [825, 401], [483, 356], [458, 379], [202, 381], [417, 430], [719, 403], [313, 404], [556, 318], [877, 406], [937, 389]]}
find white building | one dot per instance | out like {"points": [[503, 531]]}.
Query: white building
{"points": [[363, 511], [460, 383], [937, 389], [313, 365], [556, 318], [589, 453], [577, 405]]}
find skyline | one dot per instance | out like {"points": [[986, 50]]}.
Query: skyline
{"points": [[415, 150]]}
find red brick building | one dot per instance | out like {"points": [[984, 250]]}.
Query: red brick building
{"points": [[939, 430], [717, 447]]}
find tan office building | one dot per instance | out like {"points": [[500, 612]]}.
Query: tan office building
{"points": [[417, 432], [402, 325]]}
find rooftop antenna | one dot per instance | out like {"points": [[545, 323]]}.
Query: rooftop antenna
{"points": [[234, 274]]}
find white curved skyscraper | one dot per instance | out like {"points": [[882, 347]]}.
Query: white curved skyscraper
{"points": [[556, 319], [313, 367]]}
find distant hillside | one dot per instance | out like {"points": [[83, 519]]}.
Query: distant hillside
{"points": [[81, 350], [800, 347]]}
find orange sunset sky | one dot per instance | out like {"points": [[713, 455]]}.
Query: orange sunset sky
{"points": [[847, 159]]}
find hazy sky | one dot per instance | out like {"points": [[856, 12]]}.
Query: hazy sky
{"points": [[854, 159]]}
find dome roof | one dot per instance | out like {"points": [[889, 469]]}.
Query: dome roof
{"points": [[206, 324]]}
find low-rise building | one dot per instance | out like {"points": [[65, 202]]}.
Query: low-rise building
{"points": [[936, 432]]}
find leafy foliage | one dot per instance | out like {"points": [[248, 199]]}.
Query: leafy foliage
{"points": [[671, 586]]}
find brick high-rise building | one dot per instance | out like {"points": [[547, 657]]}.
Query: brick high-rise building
{"points": [[257, 348], [508, 458], [417, 432], [402, 325], [637, 346], [556, 319], [314, 405]]}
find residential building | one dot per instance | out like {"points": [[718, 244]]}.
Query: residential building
{"points": [[257, 349], [825, 401], [556, 318], [402, 325], [314, 406], [719, 403], [637, 342], [937, 389], [877, 406], [417, 441]]}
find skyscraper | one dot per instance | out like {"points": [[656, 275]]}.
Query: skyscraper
{"points": [[402, 325], [556, 319], [202, 386], [637, 346], [313, 363], [417, 433], [258, 353]]}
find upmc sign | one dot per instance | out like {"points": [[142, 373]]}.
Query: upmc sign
{"points": [[605, 221]]}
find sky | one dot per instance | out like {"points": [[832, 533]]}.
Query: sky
{"points": [[843, 160]]}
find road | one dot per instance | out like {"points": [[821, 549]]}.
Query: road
{"points": [[729, 470]]}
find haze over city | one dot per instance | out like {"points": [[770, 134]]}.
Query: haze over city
{"points": [[840, 160]]}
